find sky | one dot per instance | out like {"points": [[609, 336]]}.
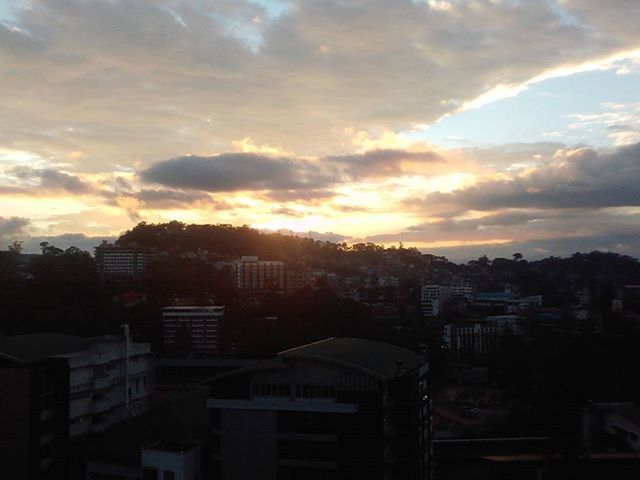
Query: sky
{"points": [[457, 127]]}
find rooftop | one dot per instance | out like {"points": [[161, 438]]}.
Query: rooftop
{"points": [[382, 360], [190, 308], [37, 346]]}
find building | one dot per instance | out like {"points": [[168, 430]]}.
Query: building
{"points": [[340, 408], [433, 299], [251, 274], [166, 441], [58, 387], [192, 330], [121, 262], [465, 290], [511, 323], [471, 339], [297, 278]]}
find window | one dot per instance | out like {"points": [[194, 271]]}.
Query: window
{"points": [[271, 390], [315, 391], [149, 473], [168, 475]]}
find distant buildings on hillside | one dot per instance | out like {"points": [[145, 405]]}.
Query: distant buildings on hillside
{"points": [[253, 275], [192, 330], [116, 262]]}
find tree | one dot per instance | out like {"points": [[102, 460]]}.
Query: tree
{"points": [[16, 247], [50, 250], [517, 256]]}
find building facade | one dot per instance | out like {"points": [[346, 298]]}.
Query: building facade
{"points": [[192, 330], [433, 298], [121, 262], [251, 274], [473, 340], [335, 409], [57, 387]]}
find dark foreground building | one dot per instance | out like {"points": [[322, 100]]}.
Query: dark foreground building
{"points": [[339, 408]]}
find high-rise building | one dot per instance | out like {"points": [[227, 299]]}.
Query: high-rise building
{"points": [[121, 262], [340, 408], [471, 339], [297, 278], [433, 299], [251, 274], [57, 387], [192, 330]]}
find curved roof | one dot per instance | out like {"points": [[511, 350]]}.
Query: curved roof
{"points": [[379, 359]]}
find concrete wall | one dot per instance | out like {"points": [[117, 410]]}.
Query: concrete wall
{"points": [[249, 445]]}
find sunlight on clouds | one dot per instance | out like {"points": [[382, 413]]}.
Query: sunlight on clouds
{"points": [[503, 91], [455, 243], [246, 145]]}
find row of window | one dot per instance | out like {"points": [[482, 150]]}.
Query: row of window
{"points": [[301, 391], [150, 473]]}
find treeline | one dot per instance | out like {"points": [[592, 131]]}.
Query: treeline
{"points": [[229, 241]]}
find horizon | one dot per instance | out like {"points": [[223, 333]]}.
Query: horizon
{"points": [[421, 122], [33, 246]]}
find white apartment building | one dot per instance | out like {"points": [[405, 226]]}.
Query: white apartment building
{"points": [[471, 340], [109, 381], [121, 261], [433, 298]]}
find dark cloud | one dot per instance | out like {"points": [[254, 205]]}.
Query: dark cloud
{"points": [[51, 180], [583, 179], [237, 171], [283, 177], [12, 227], [382, 162]]}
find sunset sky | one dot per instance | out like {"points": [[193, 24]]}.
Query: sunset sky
{"points": [[458, 127]]}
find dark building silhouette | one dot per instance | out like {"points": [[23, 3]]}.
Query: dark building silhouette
{"points": [[338, 408], [56, 387]]}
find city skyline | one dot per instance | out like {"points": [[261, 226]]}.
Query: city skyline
{"points": [[460, 128]]}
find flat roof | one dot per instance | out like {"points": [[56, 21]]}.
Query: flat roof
{"points": [[37, 346], [379, 359], [200, 307]]}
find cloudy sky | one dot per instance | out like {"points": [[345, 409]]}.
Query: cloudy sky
{"points": [[459, 127]]}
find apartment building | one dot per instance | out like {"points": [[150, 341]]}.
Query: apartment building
{"points": [[473, 340], [57, 387], [192, 329], [121, 262], [251, 274], [433, 299]]}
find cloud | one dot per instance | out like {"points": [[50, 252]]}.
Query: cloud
{"points": [[164, 76], [12, 227], [382, 162], [282, 176], [34, 181], [66, 240], [582, 178], [237, 171]]}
